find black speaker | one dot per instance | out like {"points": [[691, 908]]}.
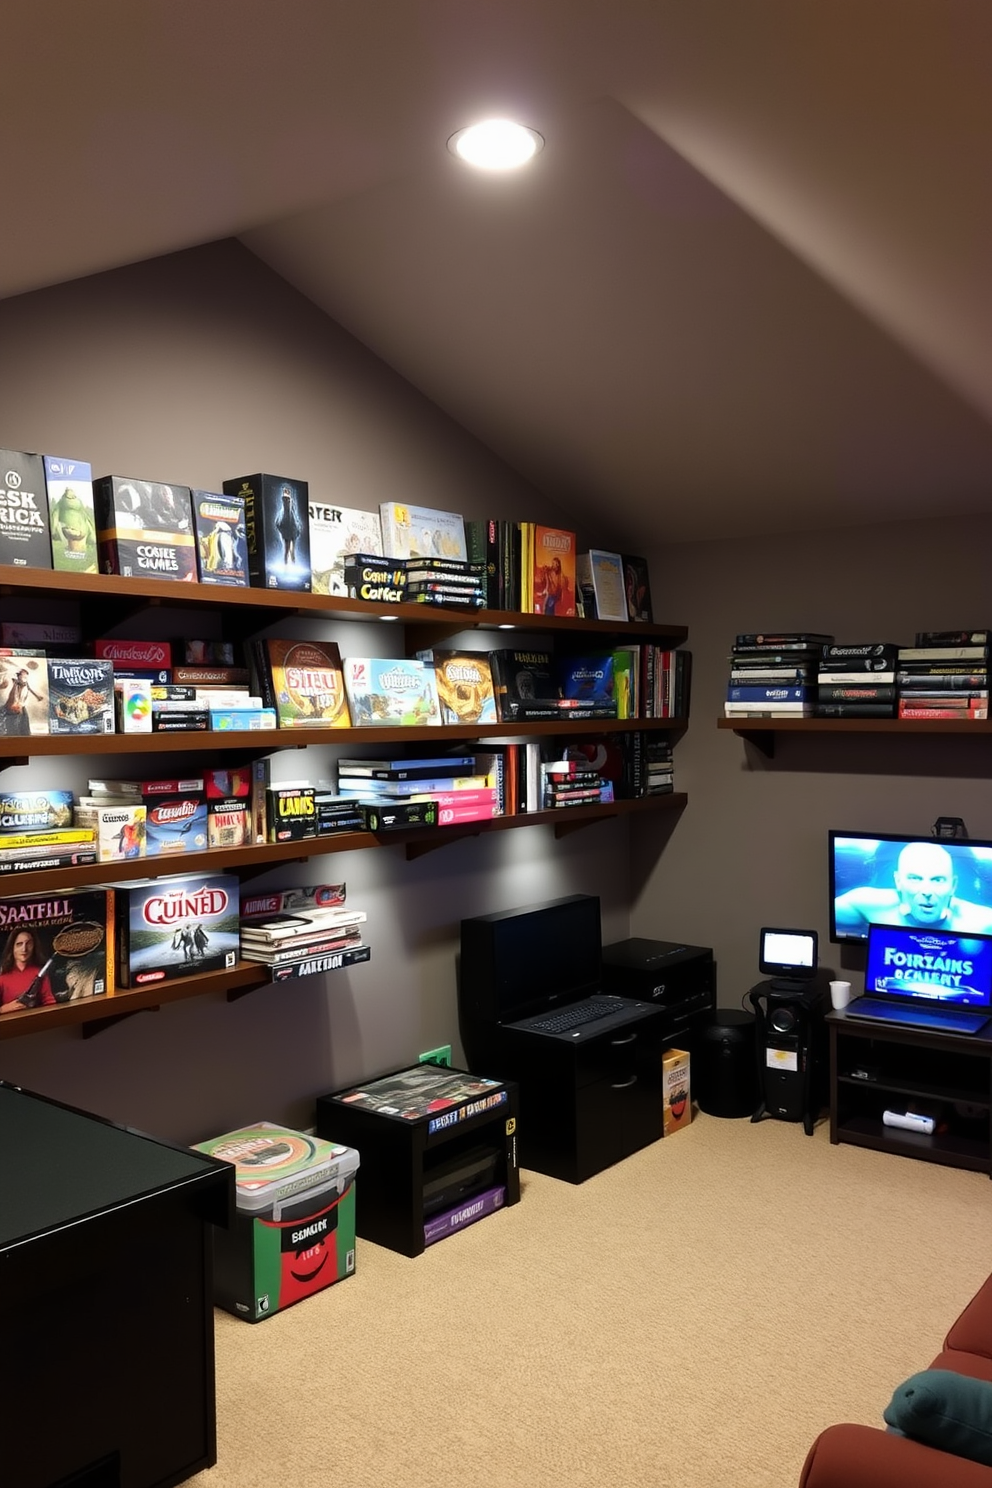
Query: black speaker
{"points": [[724, 1065], [791, 1049]]}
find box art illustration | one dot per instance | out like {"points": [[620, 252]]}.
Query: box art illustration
{"points": [[277, 525], [69, 485], [144, 528], [554, 571], [176, 927], [56, 948], [221, 539], [386, 692], [23, 691], [24, 533], [38, 810], [464, 686], [80, 695], [335, 532], [421, 532], [307, 684], [175, 824]]}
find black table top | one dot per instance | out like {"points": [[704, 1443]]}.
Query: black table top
{"points": [[59, 1165]]}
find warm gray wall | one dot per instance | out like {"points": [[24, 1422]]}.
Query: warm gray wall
{"points": [[751, 848], [197, 367]]}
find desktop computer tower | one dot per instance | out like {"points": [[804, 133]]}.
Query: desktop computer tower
{"points": [[792, 1050], [673, 976]]}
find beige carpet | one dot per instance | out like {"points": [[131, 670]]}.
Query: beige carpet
{"points": [[688, 1319]]}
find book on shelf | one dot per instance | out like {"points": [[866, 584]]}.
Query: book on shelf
{"points": [[789, 676], [855, 710], [879, 692], [637, 587], [464, 685], [71, 518], [421, 531], [980, 637], [552, 580], [367, 789], [842, 678], [336, 532], [943, 653], [779, 640], [386, 692], [946, 681], [603, 571], [768, 710], [302, 680], [277, 523], [769, 694], [910, 710]]}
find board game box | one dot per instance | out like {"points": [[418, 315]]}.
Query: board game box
{"points": [[277, 526], [221, 540], [227, 822], [291, 812], [464, 685], [35, 810], [176, 927], [80, 695], [24, 534], [525, 684], [175, 824], [335, 532], [119, 828], [421, 532], [23, 691], [56, 947], [144, 528], [386, 692], [69, 485], [307, 685], [378, 580]]}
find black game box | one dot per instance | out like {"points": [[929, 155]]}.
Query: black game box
{"points": [[25, 538], [144, 528], [277, 524]]}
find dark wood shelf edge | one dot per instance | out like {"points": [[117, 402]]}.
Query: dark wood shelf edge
{"points": [[564, 820], [280, 602], [762, 732]]}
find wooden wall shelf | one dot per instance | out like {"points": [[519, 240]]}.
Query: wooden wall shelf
{"points": [[761, 732]]}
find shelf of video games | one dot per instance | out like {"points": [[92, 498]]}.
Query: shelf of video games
{"points": [[133, 894], [800, 682]]}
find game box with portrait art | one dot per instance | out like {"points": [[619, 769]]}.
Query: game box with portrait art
{"points": [[277, 526], [176, 927], [56, 947], [221, 541]]}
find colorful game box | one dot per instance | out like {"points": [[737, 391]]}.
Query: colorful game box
{"points": [[56, 947], [464, 686], [336, 531], [277, 525], [38, 810], [24, 535], [80, 695], [176, 927], [553, 580], [119, 828], [386, 692], [221, 541], [378, 580], [291, 812], [175, 824], [294, 1227], [678, 1102], [69, 485], [144, 528], [421, 532], [307, 684], [23, 691], [227, 822]]}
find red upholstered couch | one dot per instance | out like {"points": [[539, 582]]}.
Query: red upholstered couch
{"points": [[848, 1456]]}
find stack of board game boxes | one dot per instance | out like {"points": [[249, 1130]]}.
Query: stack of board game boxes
{"points": [[302, 931]]}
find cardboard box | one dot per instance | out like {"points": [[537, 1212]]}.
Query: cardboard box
{"points": [[71, 950], [69, 486], [25, 541], [119, 829], [176, 927], [144, 528], [80, 695], [677, 1095], [294, 1227], [277, 523]]}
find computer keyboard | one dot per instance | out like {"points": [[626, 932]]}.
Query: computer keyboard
{"points": [[575, 1016]]}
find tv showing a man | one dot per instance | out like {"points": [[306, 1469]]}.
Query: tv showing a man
{"points": [[923, 893]]}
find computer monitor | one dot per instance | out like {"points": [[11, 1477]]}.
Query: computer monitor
{"points": [[788, 955], [919, 882], [929, 966]]}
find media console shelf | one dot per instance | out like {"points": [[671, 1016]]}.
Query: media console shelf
{"points": [[761, 732], [874, 1068]]}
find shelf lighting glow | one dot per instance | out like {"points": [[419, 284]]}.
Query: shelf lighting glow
{"points": [[496, 144]]}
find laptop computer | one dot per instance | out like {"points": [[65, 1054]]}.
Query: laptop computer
{"points": [[930, 979]]}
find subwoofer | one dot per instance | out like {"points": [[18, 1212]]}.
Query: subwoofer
{"points": [[724, 1065]]}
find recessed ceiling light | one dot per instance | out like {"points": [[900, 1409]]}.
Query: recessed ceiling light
{"points": [[496, 144]]}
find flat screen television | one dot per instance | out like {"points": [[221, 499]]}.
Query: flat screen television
{"points": [[925, 883]]}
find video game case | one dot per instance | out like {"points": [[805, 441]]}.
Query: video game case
{"points": [[25, 539], [144, 528], [70, 858], [386, 817], [855, 710], [277, 524], [449, 601], [982, 637], [884, 692], [171, 718], [945, 681], [334, 961], [221, 540], [71, 519]]}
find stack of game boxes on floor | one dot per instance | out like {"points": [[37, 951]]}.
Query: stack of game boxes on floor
{"points": [[945, 675], [857, 680], [774, 675], [299, 932]]}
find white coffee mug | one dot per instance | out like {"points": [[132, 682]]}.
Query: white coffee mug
{"points": [[840, 994]]}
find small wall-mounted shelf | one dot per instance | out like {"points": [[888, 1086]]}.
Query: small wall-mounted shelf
{"points": [[761, 732]]}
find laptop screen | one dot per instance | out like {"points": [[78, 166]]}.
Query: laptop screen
{"points": [[929, 967]]}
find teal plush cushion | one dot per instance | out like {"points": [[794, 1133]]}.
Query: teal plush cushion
{"points": [[945, 1410]]}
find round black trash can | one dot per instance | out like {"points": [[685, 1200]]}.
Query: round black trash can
{"points": [[724, 1065]]}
